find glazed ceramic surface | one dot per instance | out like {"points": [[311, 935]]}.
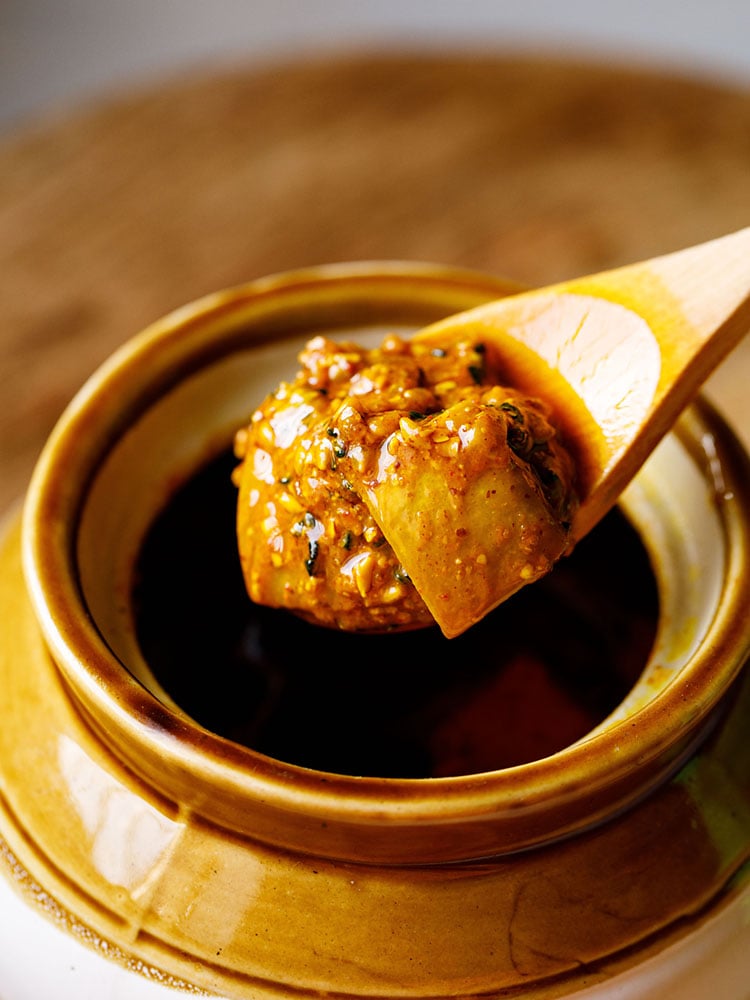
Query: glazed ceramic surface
{"points": [[145, 849]]}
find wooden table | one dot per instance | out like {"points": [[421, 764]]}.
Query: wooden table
{"points": [[538, 170]]}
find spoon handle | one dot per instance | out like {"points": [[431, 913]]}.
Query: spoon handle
{"points": [[687, 310]]}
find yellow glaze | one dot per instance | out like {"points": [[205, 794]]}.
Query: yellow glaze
{"points": [[211, 866]]}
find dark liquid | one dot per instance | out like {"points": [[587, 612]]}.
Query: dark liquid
{"points": [[534, 676]]}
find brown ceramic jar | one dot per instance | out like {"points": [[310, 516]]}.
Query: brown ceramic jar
{"points": [[177, 858]]}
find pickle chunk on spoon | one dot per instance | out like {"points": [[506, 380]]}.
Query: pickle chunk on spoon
{"points": [[617, 356]]}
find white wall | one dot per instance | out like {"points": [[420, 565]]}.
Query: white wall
{"points": [[56, 53]]}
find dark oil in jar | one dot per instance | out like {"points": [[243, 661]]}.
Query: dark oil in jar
{"points": [[535, 675]]}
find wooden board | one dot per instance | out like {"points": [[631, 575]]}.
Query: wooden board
{"points": [[521, 166]]}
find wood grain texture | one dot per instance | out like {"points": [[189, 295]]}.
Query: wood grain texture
{"points": [[521, 166]]}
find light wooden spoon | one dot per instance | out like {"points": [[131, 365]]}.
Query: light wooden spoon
{"points": [[618, 355]]}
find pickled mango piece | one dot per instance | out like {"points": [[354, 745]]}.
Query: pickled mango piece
{"points": [[400, 486]]}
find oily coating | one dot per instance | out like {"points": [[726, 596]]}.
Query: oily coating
{"points": [[309, 463]]}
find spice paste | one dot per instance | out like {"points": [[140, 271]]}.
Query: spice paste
{"points": [[393, 487]]}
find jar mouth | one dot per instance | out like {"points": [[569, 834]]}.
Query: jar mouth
{"points": [[699, 476]]}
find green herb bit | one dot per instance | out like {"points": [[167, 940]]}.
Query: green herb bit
{"points": [[512, 410], [400, 574], [552, 485], [346, 540], [519, 441], [313, 555]]}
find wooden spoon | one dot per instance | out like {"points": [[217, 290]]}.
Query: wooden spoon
{"points": [[618, 355]]}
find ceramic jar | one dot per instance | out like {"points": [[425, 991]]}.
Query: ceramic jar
{"points": [[143, 851]]}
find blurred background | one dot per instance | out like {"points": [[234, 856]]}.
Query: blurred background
{"points": [[55, 52], [155, 150]]}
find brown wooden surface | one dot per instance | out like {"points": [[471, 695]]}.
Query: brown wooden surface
{"points": [[536, 170]]}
